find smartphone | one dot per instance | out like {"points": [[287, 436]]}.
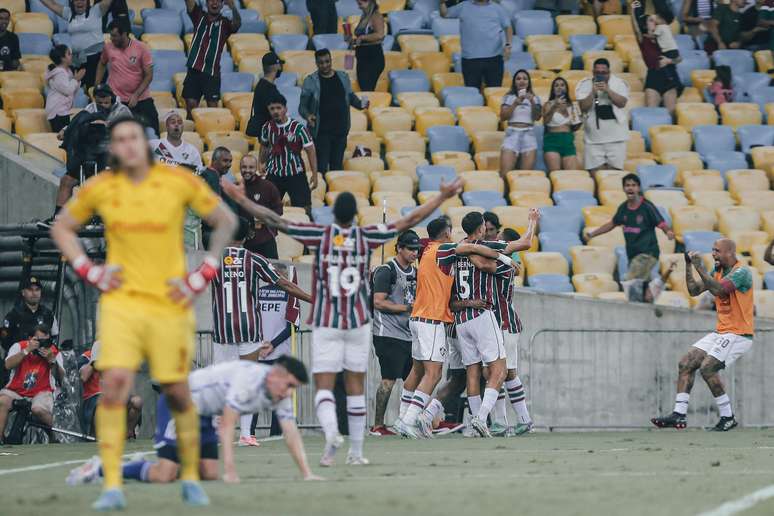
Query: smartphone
{"points": [[599, 78]]}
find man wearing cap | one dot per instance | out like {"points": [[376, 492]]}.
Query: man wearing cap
{"points": [[264, 90], [27, 314], [394, 288]]}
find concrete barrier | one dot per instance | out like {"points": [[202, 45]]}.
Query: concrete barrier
{"points": [[27, 192]]}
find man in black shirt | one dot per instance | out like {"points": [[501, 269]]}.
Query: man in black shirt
{"points": [[324, 16], [9, 44], [639, 218], [220, 166], [264, 90], [325, 100], [28, 313]]}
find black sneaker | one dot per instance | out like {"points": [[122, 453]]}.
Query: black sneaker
{"points": [[673, 420], [724, 425]]}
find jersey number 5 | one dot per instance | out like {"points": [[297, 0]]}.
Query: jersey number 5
{"points": [[463, 284]]}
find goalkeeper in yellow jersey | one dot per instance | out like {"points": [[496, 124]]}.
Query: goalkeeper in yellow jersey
{"points": [[144, 311]]}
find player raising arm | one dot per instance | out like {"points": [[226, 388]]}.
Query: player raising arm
{"points": [[144, 311]]}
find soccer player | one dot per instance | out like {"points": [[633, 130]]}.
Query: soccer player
{"points": [[144, 311], [340, 314], [731, 284], [229, 390], [236, 308]]}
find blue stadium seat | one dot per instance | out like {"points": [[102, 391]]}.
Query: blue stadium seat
{"points": [[552, 283], [692, 60], [162, 84], [644, 117], [226, 62], [408, 209], [458, 90], [488, 198], [558, 218], [388, 43], [665, 214], [574, 199], [430, 176], [252, 22], [293, 95], [81, 100], [748, 83], [347, 8], [623, 261], [520, 61], [559, 241], [763, 96], [161, 21], [754, 136], [768, 280], [580, 43], [445, 26], [460, 96], [685, 43], [175, 5], [323, 215], [62, 38], [282, 42], [166, 63], [740, 61], [297, 7], [713, 138], [529, 22], [233, 82], [34, 43], [724, 161], [329, 41], [700, 241], [443, 138], [405, 21], [402, 81], [287, 79], [653, 176]]}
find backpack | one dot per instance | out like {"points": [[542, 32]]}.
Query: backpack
{"points": [[393, 279]]}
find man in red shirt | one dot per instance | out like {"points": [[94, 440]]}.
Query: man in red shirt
{"points": [[261, 239], [33, 363]]}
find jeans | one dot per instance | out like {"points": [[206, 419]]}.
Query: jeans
{"points": [[486, 69], [330, 151]]}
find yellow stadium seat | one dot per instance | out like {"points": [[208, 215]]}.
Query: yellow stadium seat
{"points": [[489, 160], [405, 141], [512, 216], [673, 299], [247, 42], [394, 60], [386, 119], [47, 142], [348, 181], [572, 180], [456, 213], [437, 157], [494, 97], [300, 62], [609, 180], [38, 23], [483, 180], [690, 94], [746, 180], [443, 80], [636, 85], [15, 6], [692, 218], [393, 201], [474, 119], [595, 216], [20, 79], [232, 140], [763, 157], [404, 160], [376, 99], [213, 119], [22, 99], [285, 24], [588, 259], [358, 119], [366, 139], [569, 25], [488, 141], [738, 218], [430, 62], [612, 239], [666, 198], [666, 138], [450, 44], [411, 101], [529, 184], [631, 164], [703, 182], [379, 174], [760, 201], [163, 100], [529, 199], [374, 215], [594, 284], [163, 41], [554, 60], [712, 198], [544, 42], [682, 161], [616, 63], [266, 8], [625, 45], [402, 184], [702, 78], [691, 114], [612, 25], [746, 240], [545, 263], [428, 117], [757, 255], [635, 144], [386, 6], [764, 60], [736, 114], [612, 197], [764, 303], [364, 164], [409, 43]]}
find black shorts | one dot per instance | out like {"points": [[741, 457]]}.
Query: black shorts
{"points": [[90, 168], [394, 357], [663, 80], [197, 85], [207, 451], [297, 187]]}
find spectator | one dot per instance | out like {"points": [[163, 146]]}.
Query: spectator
{"points": [[211, 30], [282, 140], [768, 255], [91, 392], [560, 119], [647, 290], [603, 99], [27, 314], [220, 166], [520, 109], [325, 19], [62, 85], [264, 90], [726, 27], [84, 24], [766, 21], [492, 225], [696, 15], [33, 363], [639, 218], [367, 41], [131, 72], [486, 35], [172, 149], [261, 239], [722, 89], [10, 54], [602, 7], [325, 100], [394, 290]]}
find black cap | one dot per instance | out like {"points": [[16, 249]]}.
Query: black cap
{"points": [[271, 59], [32, 281], [410, 240], [102, 90]]}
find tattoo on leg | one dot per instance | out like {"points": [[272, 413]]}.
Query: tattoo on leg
{"points": [[382, 397], [709, 371], [687, 368]]}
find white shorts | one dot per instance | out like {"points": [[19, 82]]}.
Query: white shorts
{"points": [[230, 352], [511, 349], [725, 347], [481, 339], [428, 341], [455, 353], [520, 139], [335, 350], [596, 155]]}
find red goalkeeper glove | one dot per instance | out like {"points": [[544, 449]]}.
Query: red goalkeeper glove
{"points": [[103, 277], [184, 290]]}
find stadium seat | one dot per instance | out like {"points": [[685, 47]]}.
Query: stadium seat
{"points": [[365, 164], [236, 82], [740, 61], [644, 117], [738, 218], [594, 216], [762, 97], [384, 120], [764, 303], [284, 42], [483, 180], [576, 199], [713, 138], [405, 21], [213, 119], [558, 242], [528, 24], [161, 21], [530, 183], [572, 180], [755, 135], [430, 62], [553, 60], [530, 199], [656, 176], [555, 218], [768, 279], [724, 161], [692, 218], [736, 114], [404, 141], [612, 25], [668, 138], [746, 180], [569, 25], [444, 26], [763, 157], [460, 161], [430, 176], [691, 114], [550, 283], [611, 197], [409, 43], [488, 141], [488, 198], [594, 283], [427, 117], [23, 98], [413, 100], [519, 61], [712, 199], [683, 162], [581, 43], [761, 201], [35, 44], [747, 240], [455, 98], [545, 263], [673, 299], [329, 41], [609, 179], [702, 180], [474, 119], [691, 61], [407, 81], [666, 197], [612, 239], [445, 80], [285, 24], [32, 23], [591, 259], [700, 241]]}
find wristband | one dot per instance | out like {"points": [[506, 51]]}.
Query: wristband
{"points": [[507, 260], [82, 265]]}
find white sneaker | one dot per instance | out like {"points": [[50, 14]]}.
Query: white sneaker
{"points": [[406, 431], [357, 461], [469, 432], [328, 458], [86, 473], [424, 426], [479, 426]]}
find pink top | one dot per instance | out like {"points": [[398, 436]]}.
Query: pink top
{"points": [[62, 87], [720, 94], [126, 66]]}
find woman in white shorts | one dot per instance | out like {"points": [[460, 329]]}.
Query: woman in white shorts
{"points": [[520, 108]]}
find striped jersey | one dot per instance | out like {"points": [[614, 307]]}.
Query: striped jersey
{"points": [[210, 35], [342, 256], [285, 142], [503, 301], [469, 282], [236, 296]]}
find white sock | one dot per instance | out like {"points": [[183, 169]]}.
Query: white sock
{"points": [[325, 406], [518, 399], [416, 406], [474, 404], [500, 411], [244, 425], [487, 403], [681, 402], [724, 405], [433, 409], [356, 417], [405, 400]]}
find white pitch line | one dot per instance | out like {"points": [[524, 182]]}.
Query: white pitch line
{"points": [[742, 504]]}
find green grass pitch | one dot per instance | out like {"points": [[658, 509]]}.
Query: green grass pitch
{"points": [[591, 473]]}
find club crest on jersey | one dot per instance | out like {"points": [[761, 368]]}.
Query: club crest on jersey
{"points": [[342, 241]]}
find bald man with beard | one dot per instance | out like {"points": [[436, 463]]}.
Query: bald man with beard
{"points": [[261, 239]]}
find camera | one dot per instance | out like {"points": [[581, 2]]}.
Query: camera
{"points": [[46, 343]]}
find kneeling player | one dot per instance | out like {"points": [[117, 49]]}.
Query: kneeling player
{"points": [[228, 389]]}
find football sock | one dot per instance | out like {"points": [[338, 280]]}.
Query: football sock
{"points": [[356, 417], [474, 404], [325, 406], [405, 400], [110, 424], [681, 403], [416, 406], [137, 470], [434, 408], [187, 427], [518, 399], [487, 403], [244, 425], [499, 415], [724, 405]]}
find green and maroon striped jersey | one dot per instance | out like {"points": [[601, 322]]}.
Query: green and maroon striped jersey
{"points": [[209, 37], [285, 142], [503, 302]]}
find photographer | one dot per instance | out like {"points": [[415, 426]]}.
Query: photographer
{"points": [[33, 363], [602, 100]]}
